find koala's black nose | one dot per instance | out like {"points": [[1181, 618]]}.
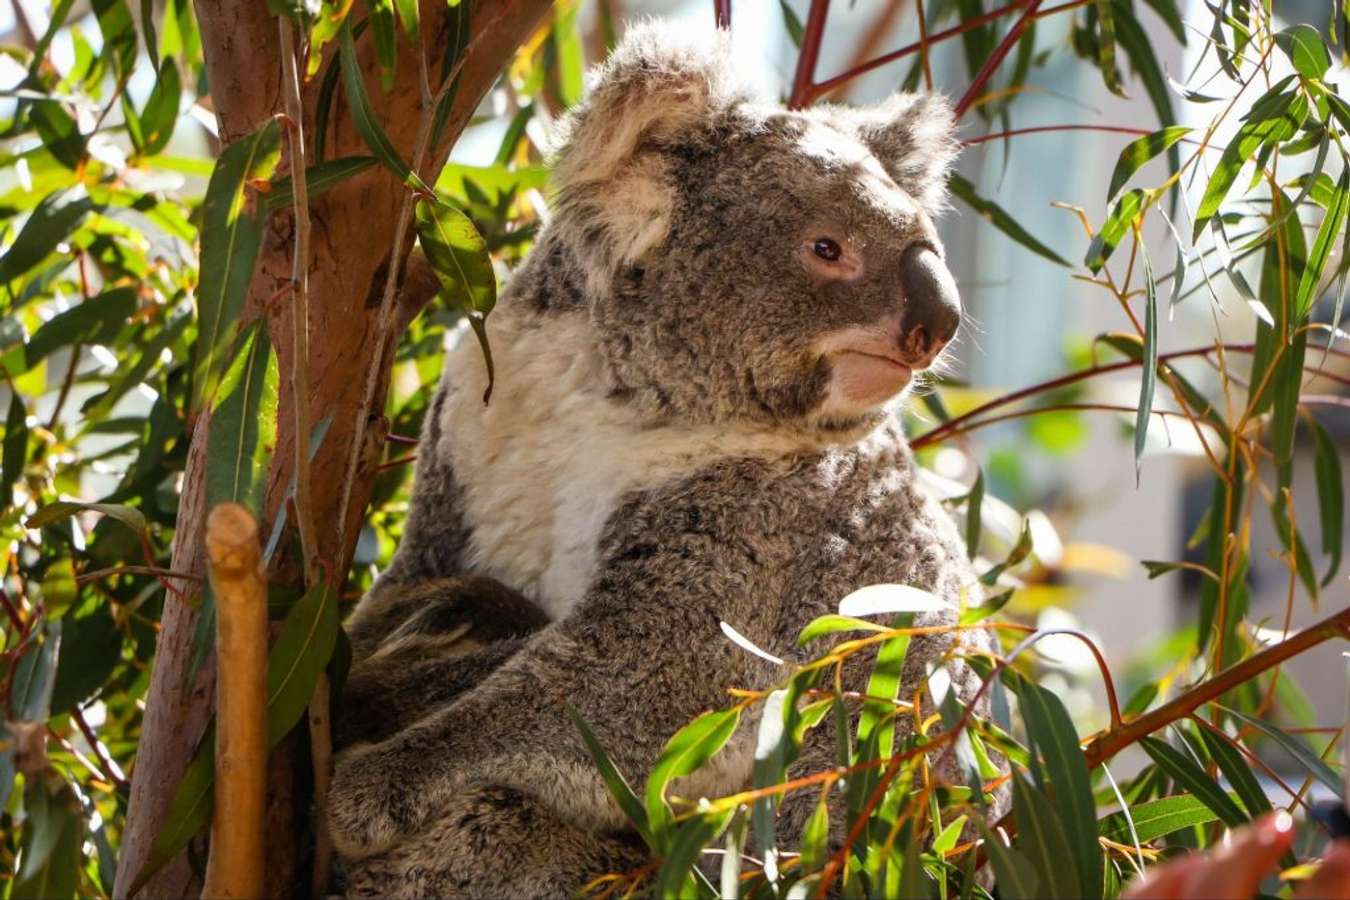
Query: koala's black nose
{"points": [[932, 306]]}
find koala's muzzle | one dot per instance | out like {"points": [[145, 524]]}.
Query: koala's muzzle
{"points": [[932, 306]]}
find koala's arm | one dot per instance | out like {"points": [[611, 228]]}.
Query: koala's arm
{"points": [[641, 656], [418, 645]]}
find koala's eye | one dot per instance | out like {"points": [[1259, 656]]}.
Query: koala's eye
{"points": [[827, 249]]}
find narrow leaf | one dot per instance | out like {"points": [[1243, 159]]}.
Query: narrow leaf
{"points": [[1000, 219], [1187, 774], [1140, 151], [1297, 749], [233, 218], [363, 117], [1156, 819], [1330, 496]]}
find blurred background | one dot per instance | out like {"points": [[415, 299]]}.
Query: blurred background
{"points": [[1030, 319]]}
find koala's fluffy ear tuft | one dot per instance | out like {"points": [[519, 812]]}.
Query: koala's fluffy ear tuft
{"points": [[659, 86], [914, 137]]}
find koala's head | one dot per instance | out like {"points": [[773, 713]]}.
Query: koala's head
{"points": [[747, 262]]}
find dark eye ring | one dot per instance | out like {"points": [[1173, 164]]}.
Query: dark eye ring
{"points": [[827, 249]]}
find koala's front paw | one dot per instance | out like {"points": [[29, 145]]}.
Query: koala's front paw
{"points": [[370, 804]]}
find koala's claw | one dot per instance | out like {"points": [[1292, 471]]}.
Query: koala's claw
{"points": [[368, 810]]}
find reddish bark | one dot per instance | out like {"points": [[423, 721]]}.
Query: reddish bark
{"points": [[346, 279]]}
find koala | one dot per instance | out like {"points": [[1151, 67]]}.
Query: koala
{"points": [[693, 422]]}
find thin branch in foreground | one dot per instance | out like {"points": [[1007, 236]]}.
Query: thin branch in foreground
{"points": [[235, 867]]}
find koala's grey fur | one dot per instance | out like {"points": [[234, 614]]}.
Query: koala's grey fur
{"points": [[661, 455]]}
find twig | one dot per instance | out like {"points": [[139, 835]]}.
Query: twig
{"points": [[384, 319], [235, 868], [320, 736], [1109, 743], [295, 137], [996, 58], [66, 383], [1115, 129], [803, 88], [938, 37], [722, 9], [153, 571], [105, 763]]}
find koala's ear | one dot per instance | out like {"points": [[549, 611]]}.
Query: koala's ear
{"points": [[914, 137], [658, 83], [660, 86]]}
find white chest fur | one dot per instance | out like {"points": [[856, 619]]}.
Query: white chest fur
{"points": [[545, 464]]}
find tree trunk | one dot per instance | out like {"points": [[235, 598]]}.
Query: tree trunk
{"points": [[351, 249]]}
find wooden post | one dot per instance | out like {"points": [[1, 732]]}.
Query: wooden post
{"points": [[235, 867]]}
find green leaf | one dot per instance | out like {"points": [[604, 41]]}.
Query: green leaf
{"points": [[514, 132], [299, 654], [1041, 836], [52, 512], [815, 837], [832, 623], [51, 840], [233, 218], [686, 751], [381, 23], [1106, 47], [51, 222], [156, 124], [242, 430], [1116, 226], [1187, 774], [999, 218], [1053, 736], [1138, 47], [1332, 223], [1330, 496], [1156, 819], [676, 878], [1020, 551], [459, 256], [319, 179], [189, 812], [571, 63], [1168, 12], [363, 117], [1304, 47], [1149, 368], [30, 695], [1274, 118], [119, 35], [297, 658], [408, 17], [14, 454], [791, 23], [95, 321], [974, 514], [91, 647], [1236, 770], [59, 131], [1297, 749], [619, 788], [1013, 872], [1140, 151]]}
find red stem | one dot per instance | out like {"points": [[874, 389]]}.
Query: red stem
{"points": [[826, 86], [1109, 743], [723, 12], [951, 425], [1000, 135], [803, 90], [996, 59]]}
